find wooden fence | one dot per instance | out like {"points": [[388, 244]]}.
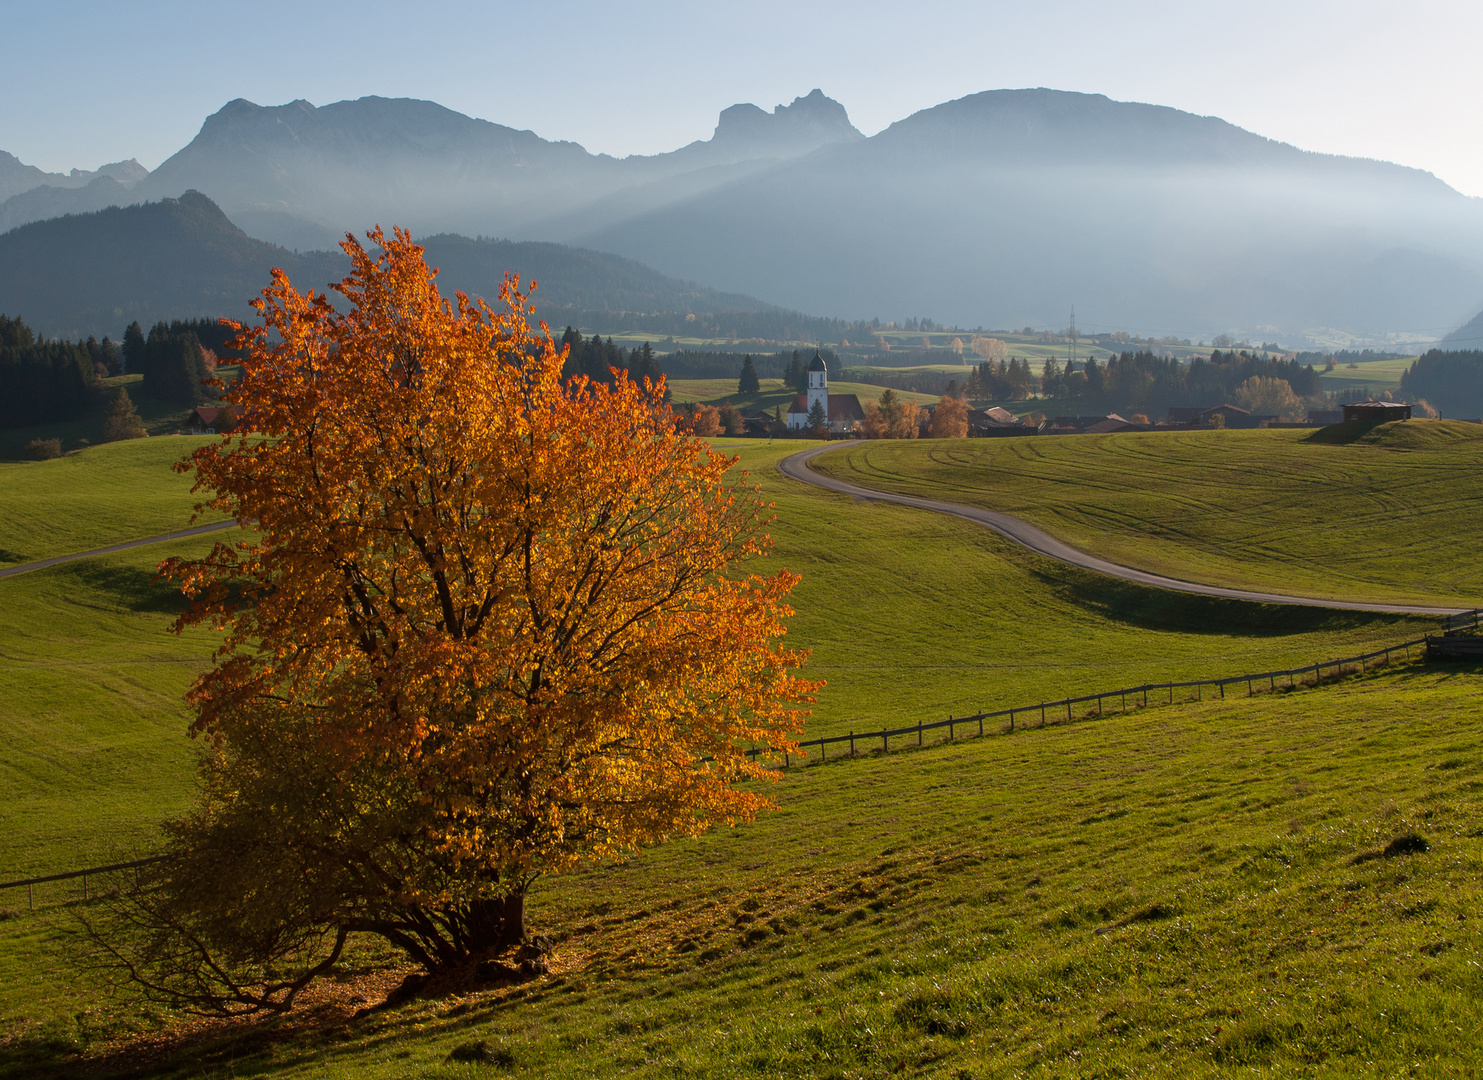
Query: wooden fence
{"points": [[1043, 712]]}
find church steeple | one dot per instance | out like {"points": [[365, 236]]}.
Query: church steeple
{"points": [[818, 383]]}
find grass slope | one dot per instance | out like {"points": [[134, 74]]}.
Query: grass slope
{"points": [[1383, 513], [105, 495], [1185, 891]]}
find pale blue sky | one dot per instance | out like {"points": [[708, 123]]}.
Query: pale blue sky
{"points": [[86, 82]]}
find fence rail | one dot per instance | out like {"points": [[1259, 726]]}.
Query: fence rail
{"points": [[1451, 624], [29, 884]]}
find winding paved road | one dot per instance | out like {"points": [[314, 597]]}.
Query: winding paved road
{"points": [[1027, 535], [215, 526]]}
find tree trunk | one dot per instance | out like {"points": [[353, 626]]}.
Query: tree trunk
{"points": [[496, 926]]}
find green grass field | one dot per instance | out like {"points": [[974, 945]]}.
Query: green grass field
{"points": [[1388, 515], [106, 495], [1369, 379], [935, 910]]}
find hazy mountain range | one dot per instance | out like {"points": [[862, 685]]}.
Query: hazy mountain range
{"points": [[182, 258], [1002, 209]]}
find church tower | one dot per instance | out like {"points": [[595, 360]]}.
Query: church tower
{"points": [[818, 384]]}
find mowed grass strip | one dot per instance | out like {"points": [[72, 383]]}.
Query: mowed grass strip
{"points": [[1389, 514], [94, 498], [1288, 883]]}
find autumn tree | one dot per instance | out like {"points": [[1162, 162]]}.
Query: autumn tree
{"points": [[704, 421], [489, 626], [950, 418], [1267, 396], [892, 417]]}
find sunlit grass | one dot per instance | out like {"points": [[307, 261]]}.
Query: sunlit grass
{"points": [[1388, 516]]}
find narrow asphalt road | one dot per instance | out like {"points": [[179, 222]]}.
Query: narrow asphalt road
{"points": [[215, 526], [1027, 535]]}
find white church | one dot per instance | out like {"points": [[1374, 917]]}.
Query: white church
{"points": [[841, 411]]}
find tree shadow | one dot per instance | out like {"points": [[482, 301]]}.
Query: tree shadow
{"points": [[1147, 608], [133, 588]]}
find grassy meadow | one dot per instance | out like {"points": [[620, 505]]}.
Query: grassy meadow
{"points": [[108, 495], [1369, 379], [1169, 891], [1387, 513]]}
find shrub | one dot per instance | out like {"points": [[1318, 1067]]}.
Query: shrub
{"points": [[44, 449]]}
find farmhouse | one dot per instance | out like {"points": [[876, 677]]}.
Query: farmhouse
{"points": [[841, 411], [1377, 412], [209, 419], [1232, 416]]}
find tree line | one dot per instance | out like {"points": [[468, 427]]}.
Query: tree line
{"points": [[48, 382], [1452, 378], [1141, 381], [42, 381]]}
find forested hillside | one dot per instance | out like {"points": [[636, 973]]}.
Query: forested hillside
{"points": [[1451, 381], [182, 258]]}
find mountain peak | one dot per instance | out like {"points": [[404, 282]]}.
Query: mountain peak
{"points": [[812, 120]]}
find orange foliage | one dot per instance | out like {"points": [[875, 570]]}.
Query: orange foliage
{"points": [[892, 417], [950, 419], [500, 610]]}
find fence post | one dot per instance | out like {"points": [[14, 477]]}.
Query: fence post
{"points": [[1317, 675], [885, 743], [919, 733], [1249, 691], [1042, 714], [1125, 701], [1068, 710], [1199, 691], [980, 723], [31, 897], [852, 744], [1272, 682], [951, 727], [1222, 691], [1145, 695], [84, 886], [1171, 693], [786, 760]]}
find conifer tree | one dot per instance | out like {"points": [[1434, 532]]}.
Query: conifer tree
{"points": [[123, 420], [134, 349], [748, 383]]}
